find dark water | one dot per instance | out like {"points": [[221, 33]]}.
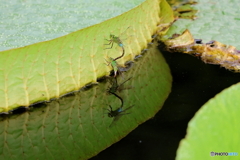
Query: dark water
{"points": [[194, 83]]}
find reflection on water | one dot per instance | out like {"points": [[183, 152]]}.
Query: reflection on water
{"points": [[194, 83]]}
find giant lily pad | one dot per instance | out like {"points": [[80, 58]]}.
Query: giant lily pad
{"points": [[215, 21], [218, 44], [78, 127]]}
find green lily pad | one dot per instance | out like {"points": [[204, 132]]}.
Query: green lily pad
{"points": [[215, 44], [216, 21], [78, 126], [214, 128]]}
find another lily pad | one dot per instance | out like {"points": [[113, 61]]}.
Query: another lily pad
{"points": [[214, 128]]}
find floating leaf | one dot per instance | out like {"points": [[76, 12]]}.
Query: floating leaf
{"points": [[77, 126], [214, 128]]}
